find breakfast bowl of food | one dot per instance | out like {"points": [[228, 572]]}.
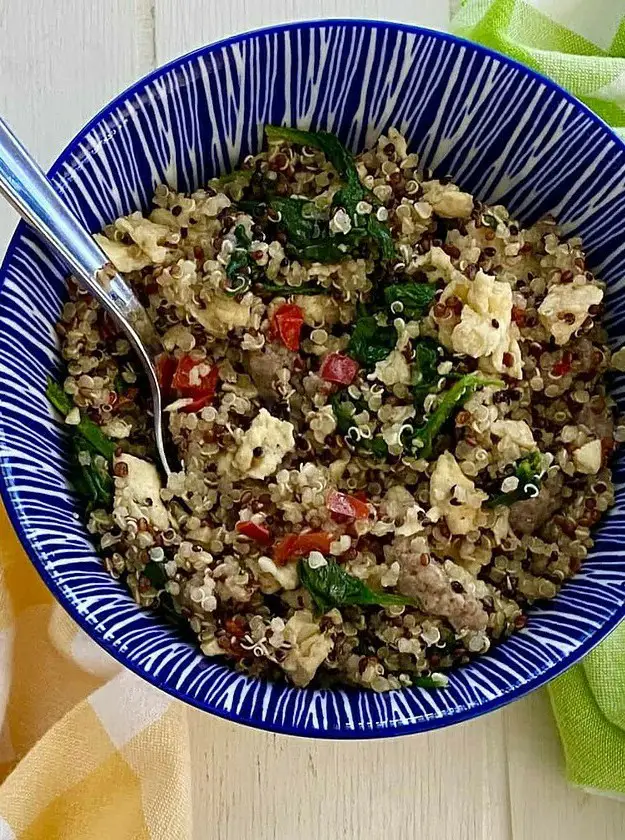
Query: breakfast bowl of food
{"points": [[383, 267]]}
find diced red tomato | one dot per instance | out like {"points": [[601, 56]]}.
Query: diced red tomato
{"points": [[563, 367], [287, 324], [165, 369], [255, 532], [236, 626], [201, 391], [338, 368], [198, 403], [292, 546], [518, 316], [184, 381], [560, 369], [128, 399], [176, 375], [342, 504], [107, 326], [283, 549]]}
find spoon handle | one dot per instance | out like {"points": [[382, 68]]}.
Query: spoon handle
{"points": [[28, 190]]}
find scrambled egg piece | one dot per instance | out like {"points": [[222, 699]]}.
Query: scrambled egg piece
{"points": [[310, 647], [485, 330], [393, 370], [223, 314], [140, 492], [400, 508], [454, 496], [587, 458], [438, 265], [118, 428], [516, 438], [447, 200], [318, 310], [125, 258], [565, 308], [146, 250], [262, 447], [146, 234], [273, 578]]}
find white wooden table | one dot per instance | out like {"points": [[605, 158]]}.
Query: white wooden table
{"points": [[498, 778]]}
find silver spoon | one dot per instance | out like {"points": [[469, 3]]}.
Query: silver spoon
{"points": [[27, 189]]}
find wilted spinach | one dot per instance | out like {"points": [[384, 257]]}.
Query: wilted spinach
{"points": [[343, 412], [416, 298], [370, 342], [328, 143], [331, 586], [424, 437], [89, 430], [240, 258], [349, 196], [529, 471], [156, 574], [425, 368], [434, 681], [89, 474]]}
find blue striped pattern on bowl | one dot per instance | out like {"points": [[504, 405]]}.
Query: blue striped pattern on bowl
{"points": [[500, 130]]}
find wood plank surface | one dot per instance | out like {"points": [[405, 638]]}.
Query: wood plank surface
{"points": [[439, 785], [497, 778], [180, 27], [60, 62]]}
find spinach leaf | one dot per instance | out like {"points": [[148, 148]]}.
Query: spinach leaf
{"points": [[90, 431], [371, 343], [376, 446], [277, 289], [350, 195], [58, 397], [490, 220], [436, 680], [171, 611], [307, 232], [529, 470], [299, 219], [424, 367], [243, 240], [416, 298], [89, 474], [326, 250], [344, 410], [119, 385], [454, 398], [331, 586], [328, 143], [155, 573], [240, 258], [243, 175], [307, 238], [376, 229]]}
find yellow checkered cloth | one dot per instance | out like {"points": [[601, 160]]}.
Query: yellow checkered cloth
{"points": [[87, 749]]}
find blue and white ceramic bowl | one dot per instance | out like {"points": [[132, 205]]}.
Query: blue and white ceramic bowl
{"points": [[502, 132]]}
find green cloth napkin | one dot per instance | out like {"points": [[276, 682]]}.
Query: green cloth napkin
{"points": [[581, 45]]}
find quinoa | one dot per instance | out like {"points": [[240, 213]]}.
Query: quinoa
{"points": [[386, 456]]}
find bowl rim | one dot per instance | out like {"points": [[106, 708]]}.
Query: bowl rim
{"points": [[11, 500]]}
